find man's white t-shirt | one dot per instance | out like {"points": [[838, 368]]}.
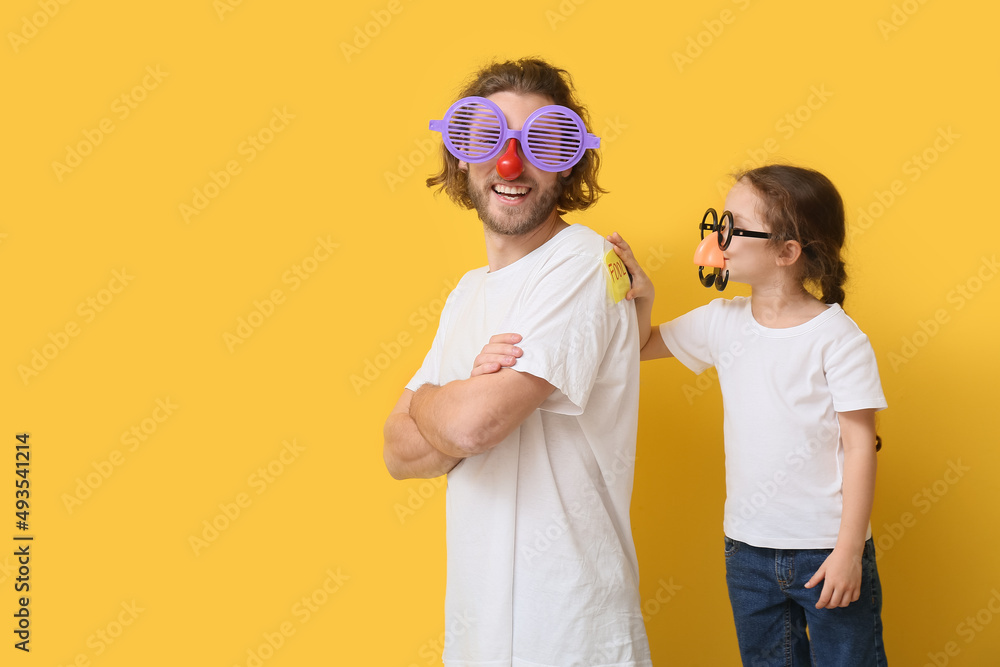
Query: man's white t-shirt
{"points": [[782, 390], [542, 568]]}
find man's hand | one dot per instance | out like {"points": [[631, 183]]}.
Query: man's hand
{"points": [[498, 353], [642, 286], [842, 573]]}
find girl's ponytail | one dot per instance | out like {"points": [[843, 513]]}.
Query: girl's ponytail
{"points": [[832, 284]]}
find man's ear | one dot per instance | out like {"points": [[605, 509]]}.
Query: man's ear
{"points": [[788, 253], [463, 166]]}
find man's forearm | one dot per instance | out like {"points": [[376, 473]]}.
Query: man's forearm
{"points": [[468, 417], [408, 455], [437, 413]]}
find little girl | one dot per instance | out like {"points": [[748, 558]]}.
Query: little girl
{"points": [[800, 388]]}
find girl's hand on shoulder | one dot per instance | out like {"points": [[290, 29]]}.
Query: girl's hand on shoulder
{"points": [[499, 353], [642, 286], [841, 577]]}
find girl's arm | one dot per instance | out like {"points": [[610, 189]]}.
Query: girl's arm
{"points": [[842, 568], [651, 344]]}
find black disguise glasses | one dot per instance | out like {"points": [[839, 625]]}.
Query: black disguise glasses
{"points": [[726, 230]]}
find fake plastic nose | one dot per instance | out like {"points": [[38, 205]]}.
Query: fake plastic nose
{"points": [[708, 252], [509, 165]]}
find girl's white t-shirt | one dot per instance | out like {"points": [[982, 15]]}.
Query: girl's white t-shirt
{"points": [[781, 390]]}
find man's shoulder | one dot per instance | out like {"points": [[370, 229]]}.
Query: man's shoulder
{"points": [[581, 240], [576, 249], [466, 285], [581, 257], [473, 275]]}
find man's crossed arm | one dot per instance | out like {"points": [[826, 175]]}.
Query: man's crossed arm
{"points": [[430, 430]]}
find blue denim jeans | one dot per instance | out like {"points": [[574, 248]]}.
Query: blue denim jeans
{"points": [[773, 610]]}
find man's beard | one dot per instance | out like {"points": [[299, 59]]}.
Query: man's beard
{"points": [[514, 221]]}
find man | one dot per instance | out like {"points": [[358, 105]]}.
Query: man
{"points": [[537, 439]]}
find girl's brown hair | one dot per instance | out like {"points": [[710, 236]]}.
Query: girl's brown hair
{"points": [[525, 76], [803, 205]]}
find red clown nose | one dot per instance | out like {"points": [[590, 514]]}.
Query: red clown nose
{"points": [[509, 165]]}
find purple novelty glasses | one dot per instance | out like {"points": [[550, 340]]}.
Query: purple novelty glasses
{"points": [[553, 137]]}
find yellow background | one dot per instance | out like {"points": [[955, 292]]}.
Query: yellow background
{"points": [[347, 167]]}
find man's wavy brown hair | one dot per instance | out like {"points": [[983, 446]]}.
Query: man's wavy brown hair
{"points": [[526, 76]]}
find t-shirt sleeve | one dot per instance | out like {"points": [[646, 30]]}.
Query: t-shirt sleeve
{"points": [[430, 371], [852, 373], [687, 337], [566, 318]]}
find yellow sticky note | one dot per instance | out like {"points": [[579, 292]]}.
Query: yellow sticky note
{"points": [[618, 280]]}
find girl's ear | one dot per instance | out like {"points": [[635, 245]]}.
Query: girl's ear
{"points": [[788, 253]]}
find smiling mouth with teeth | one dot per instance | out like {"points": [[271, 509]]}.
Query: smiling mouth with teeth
{"points": [[510, 192]]}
